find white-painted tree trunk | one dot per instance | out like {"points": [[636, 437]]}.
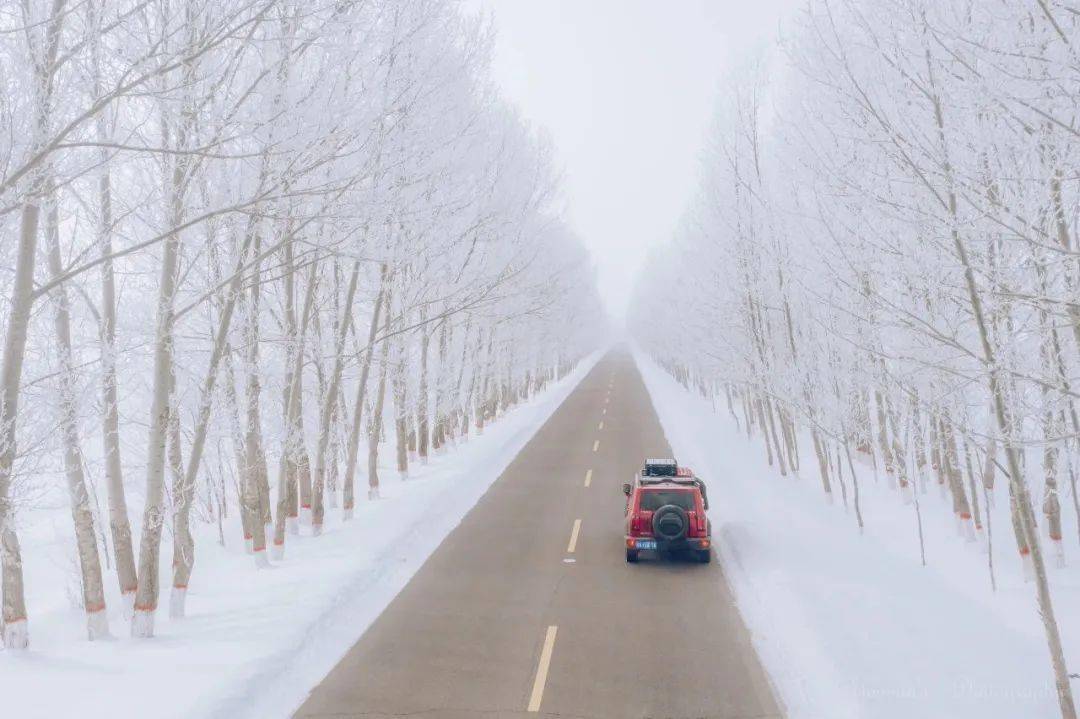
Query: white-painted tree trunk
{"points": [[15, 632], [119, 524], [13, 616], [82, 511], [146, 596]]}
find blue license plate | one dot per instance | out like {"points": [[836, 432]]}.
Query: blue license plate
{"points": [[646, 544]]}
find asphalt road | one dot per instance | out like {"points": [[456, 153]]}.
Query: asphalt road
{"points": [[498, 622]]}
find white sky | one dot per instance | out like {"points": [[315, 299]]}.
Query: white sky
{"points": [[626, 89]]}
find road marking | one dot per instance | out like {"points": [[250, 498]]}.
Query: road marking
{"points": [[542, 669], [596, 445], [601, 425], [605, 411], [588, 478], [573, 537]]}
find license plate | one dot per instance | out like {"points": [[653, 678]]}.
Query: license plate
{"points": [[646, 544]]}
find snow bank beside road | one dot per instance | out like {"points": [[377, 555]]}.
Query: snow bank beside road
{"points": [[852, 626], [255, 641]]}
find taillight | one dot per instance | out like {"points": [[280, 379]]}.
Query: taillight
{"points": [[641, 523]]}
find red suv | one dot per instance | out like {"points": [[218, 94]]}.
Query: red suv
{"points": [[665, 511]]}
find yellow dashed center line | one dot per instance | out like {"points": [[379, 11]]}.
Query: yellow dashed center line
{"points": [[573, 537], [588, 478], [596, 445], [542, 669]]}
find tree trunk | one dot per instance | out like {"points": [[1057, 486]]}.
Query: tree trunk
{"points": [[146, 598], [182, 494], [765, 429], [975, 509], [422, 428], [93, 590], [823, 465], [236, 430], [961, 507], [883, 441], [184, 491], [376, 418], [400, 412], [293, 455], [13, 614], [254, 502], [288, 496], [353, 449], [119, 525], [15, 633], [438, 435], [329, 401], [1051, 505]]}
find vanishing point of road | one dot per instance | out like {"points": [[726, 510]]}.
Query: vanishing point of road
{"points": [[528, 607]]}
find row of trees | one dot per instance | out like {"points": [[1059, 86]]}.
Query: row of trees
{"points": [[884, 253], [245, 241]]}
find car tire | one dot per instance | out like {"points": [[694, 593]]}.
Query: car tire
{"points": [[704, 555], [631, 556]]}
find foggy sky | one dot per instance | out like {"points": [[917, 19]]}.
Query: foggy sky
{"points": [[626, 89]]}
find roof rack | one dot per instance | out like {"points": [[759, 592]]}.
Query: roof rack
{"points": [[688, 481], [660, 468]]}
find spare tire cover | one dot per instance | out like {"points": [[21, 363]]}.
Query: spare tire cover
{"points": [[670, 523]]}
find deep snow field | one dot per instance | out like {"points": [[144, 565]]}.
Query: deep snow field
{"points": [[254, 640], [852, 626]]}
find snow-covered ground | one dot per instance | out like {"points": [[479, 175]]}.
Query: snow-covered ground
{"points": [[852, 626], [254, 641]]}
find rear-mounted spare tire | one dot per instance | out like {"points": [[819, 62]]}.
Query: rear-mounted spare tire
{"points": [[670, 523]]}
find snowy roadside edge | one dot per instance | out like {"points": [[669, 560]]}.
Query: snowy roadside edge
{"points": [[291, 673], [777, 642]]}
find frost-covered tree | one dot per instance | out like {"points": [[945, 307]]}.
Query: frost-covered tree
{"points": [[882, 254], [244, 236]]}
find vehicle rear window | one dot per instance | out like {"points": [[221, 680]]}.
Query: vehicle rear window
{"points": [[654, 499]]}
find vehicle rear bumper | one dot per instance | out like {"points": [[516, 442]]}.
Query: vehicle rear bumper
{"points": [[667, 546]]}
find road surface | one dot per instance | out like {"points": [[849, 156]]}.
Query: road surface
{"points": [[528, 608]]}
